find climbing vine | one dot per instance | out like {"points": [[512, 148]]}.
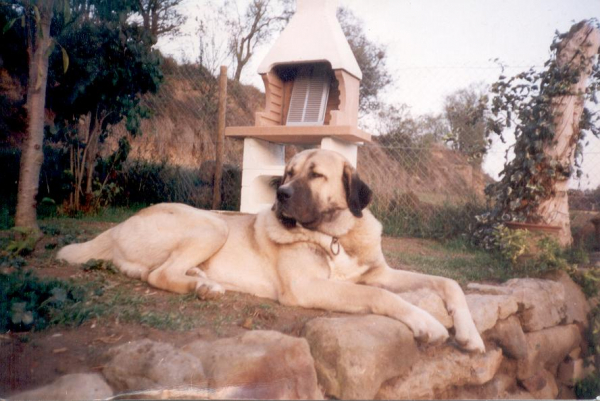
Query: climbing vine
{"points": [[525, 102]]}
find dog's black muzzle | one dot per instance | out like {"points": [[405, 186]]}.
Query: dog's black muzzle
{"points": [[284, 193]]}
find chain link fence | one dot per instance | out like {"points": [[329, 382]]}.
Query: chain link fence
{"points": [[424, 184]]}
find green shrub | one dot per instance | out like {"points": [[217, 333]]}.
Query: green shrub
{"points": [[512, 244], [589, 388], [138, 183], [29, 303], [406, 216]]}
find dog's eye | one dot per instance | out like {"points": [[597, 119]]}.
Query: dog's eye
{"points": [[314, 174]]}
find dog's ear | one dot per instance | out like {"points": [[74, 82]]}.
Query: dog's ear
{"points": [[358, 194]]}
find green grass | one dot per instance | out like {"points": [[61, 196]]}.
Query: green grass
{"points": [[28, 303], [454, 259], [107, 215], [127, 307], [72, 227]]}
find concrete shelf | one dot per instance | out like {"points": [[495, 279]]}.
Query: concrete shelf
{"points": [[303, 135]]}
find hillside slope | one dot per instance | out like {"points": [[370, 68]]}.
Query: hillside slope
{"points": [[182, 132]]}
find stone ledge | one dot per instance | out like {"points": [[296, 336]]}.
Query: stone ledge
{"points": [[532, 352]]}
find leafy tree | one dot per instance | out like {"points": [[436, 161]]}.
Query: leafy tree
{"points": [[13, 74], [434, 127], [530, 103], [36, 18], [465, 111], [160, 16], [406, 138], [371, 58], [111, 65], [249, 30]]}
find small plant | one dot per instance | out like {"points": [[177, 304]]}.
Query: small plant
{"points": [[95, 265], [529, 252], [29, 303], [23, 242], [588, 280], [512, 244], [550, 255], [589, 388]]}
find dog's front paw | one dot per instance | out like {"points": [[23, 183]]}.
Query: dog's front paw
{"points": [[467, 335], [209, 290], [427, 329]]}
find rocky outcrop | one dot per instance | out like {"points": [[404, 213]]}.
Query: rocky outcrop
{"points": [[255, 365], [532, 329], [259, 365], [546, 349], [149, 365], [437, 370], [354, 355], [78, 386], [508, 335], [488, 309]]}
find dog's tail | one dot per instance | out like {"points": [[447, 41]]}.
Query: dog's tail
{"points": [[100, 247]]}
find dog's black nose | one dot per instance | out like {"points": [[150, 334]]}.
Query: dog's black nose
{"points": [[284, 193]]}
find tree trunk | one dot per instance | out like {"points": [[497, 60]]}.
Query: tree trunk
{"points": [[577, 50], [32, 155], [92, 151], [238, 71]]}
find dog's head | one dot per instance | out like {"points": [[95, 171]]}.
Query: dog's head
{"points": [[319, 187]]}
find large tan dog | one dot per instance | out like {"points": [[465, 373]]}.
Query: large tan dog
{"points": [[318, 248]]}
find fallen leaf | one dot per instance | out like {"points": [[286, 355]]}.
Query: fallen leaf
{"points": [[247, 323], [109, 340], [59, 350]]}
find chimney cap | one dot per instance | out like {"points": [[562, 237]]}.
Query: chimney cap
{"points": [[313, 35]]}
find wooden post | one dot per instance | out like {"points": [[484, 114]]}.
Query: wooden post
{"points": [[216, 204], [578, 50]]}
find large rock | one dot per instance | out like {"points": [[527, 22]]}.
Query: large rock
{"points": [[546, 349], [488, 289], [488, 309], [543, 302], [570, 371], [509, 336], [542, 385], [147, 365], [577, 306], [431, 302], [79, 386], [258, 365], [440, 368], [502, 386], [354, 355]]}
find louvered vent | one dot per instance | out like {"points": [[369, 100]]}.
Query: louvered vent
{"points": [[309, 98]]}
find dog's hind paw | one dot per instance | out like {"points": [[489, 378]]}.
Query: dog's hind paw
{"points": [[195, 272], [209, 290]]}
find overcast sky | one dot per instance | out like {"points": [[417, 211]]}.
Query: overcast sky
{"points": [[437, 46]]}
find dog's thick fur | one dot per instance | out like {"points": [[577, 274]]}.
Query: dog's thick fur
{"points": [[318, 247]]}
